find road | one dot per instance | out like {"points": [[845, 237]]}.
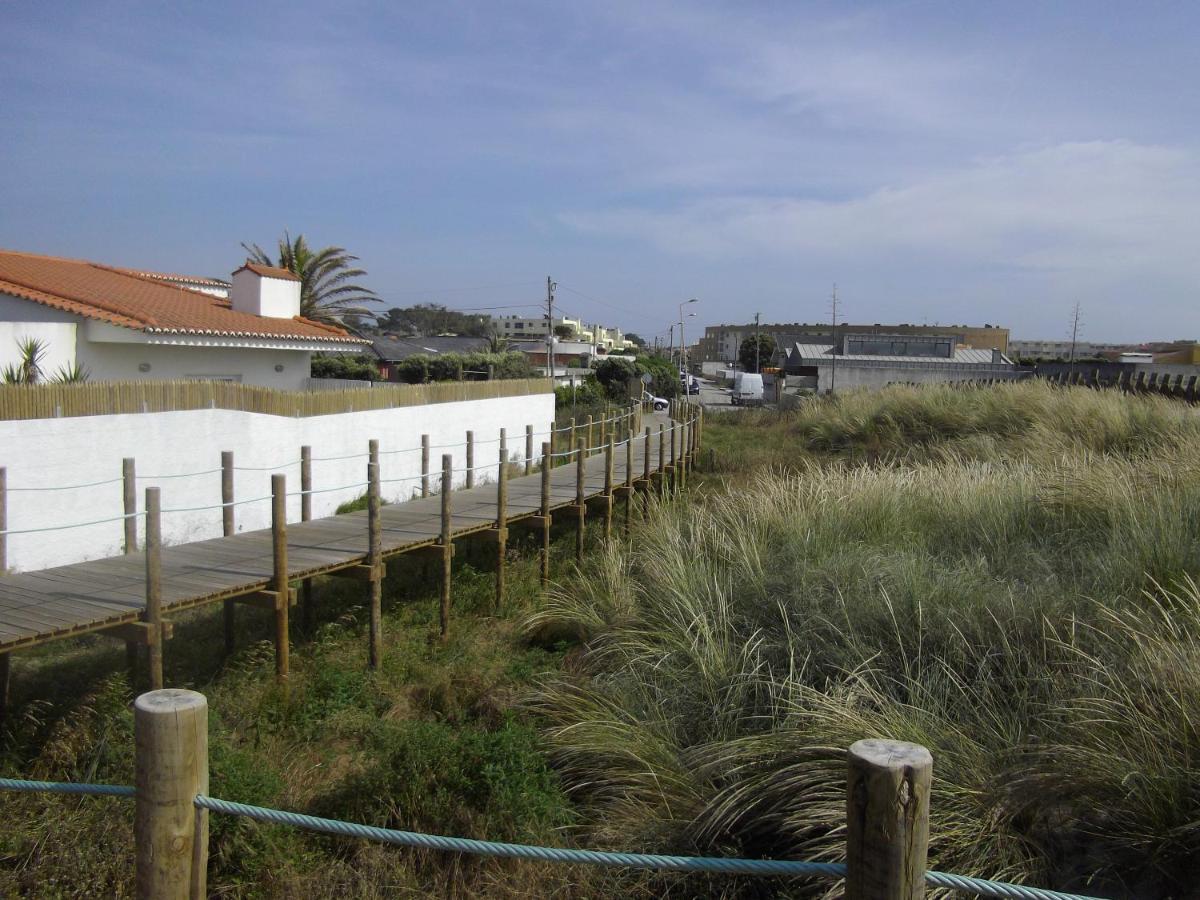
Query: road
{"points": [[712, 396]]}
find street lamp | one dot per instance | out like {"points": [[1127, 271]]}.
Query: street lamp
{"points": [[682, 342]]}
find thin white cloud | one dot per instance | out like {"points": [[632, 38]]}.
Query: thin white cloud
{"points": [[1094, 205]]}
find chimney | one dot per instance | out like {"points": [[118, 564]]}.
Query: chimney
{"points": [[997, 357], [265, 291]]}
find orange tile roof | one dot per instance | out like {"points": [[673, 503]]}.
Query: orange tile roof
{"points": [[139, 301], [268, 271], [173, 277]]}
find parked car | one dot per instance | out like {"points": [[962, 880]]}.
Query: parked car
{"points": [[660, 404], [689, 384], [747, 389]]}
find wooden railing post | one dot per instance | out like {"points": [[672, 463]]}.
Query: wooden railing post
{"points": [[129, 498], [375, 558], [279, 580], [589, 436], [3, 521], [528, 449], [662, 461], [608, 487], [424, 465], [170, 768], [580, 499], [153, 612], [628, 479], [470, 459], [228, 529], [5, 678], [308, 612], [446, 541], [647, 484], [571, 440], [547, 465], [887, 820], [502, 517]]}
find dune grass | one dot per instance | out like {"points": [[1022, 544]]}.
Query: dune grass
{"points": [[1004, 575]]}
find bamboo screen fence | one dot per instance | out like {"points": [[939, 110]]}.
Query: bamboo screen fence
{"points": [[47, 401]]}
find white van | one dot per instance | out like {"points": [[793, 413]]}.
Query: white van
{"points": [[747, 389]]}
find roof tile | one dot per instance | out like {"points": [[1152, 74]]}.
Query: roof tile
{"points": [[128, 299]]}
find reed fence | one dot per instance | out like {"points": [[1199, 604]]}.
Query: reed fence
{"points": [[48, 401]]}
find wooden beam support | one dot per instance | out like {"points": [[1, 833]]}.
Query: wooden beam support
{"points": [[545, 519], [609, 450], [501, 530], [129, 502], [360, 572], [140, 633], [374, 558], [580, 498], [528, 449], [308, 610], [153, 612], [470, 459], [228, 529], [279, 580], [424, 465], [446, 543], [266, 599]]}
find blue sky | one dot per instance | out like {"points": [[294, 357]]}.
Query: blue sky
{"points": [[941, 161]]}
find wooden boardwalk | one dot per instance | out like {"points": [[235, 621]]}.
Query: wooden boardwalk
{"points": [[111, 595]]}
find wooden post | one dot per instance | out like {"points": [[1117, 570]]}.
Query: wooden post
{"points": [[153, 612], [547, 449], [171, 767], [887, 819], [608, 487], [308, 612], [279, 580], [129, 487], [470, 459], [501, 518], [589, 435], [424, 465], [3, 520], [580, 499], [5, 678], [446, 542], [662, 461], [571, 442], [604, 426], [528, 449], [228, 529], [647, 484], [375, 558], [628, 479]]}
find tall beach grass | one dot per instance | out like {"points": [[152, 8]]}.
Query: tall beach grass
{"points": [[1004, 575]]}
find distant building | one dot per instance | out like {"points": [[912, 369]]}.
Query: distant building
{"points": [[876, 360], [523, 328], [720, 343], [389, 350]]}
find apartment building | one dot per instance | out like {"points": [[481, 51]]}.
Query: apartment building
{"points": [[607, 340]]}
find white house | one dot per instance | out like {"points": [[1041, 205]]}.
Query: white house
{"points": [[127, 325]]}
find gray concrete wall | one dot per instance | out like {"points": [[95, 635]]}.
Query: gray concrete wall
{"points": [[856, 376]]}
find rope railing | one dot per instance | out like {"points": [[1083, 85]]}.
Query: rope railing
{"points": [[141, 477], [714, 865], [67, 487], [121, 518]]}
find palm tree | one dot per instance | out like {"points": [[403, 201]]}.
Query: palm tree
{"points": [[326, 291]]}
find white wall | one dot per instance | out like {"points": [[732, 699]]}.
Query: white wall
{"points": [[72, 451], [111, 361], [58, 338], [251, 293]]}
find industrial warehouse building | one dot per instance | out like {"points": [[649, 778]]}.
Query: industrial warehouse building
{"points": [[874, 361]]}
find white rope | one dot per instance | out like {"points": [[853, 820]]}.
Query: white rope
{"points": [[73, 525], [180, 475], [66, 487]]}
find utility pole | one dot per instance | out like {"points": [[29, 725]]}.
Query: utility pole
{"points": [[757, 346], [833, 306], [550, 286], [1074, 337]]}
